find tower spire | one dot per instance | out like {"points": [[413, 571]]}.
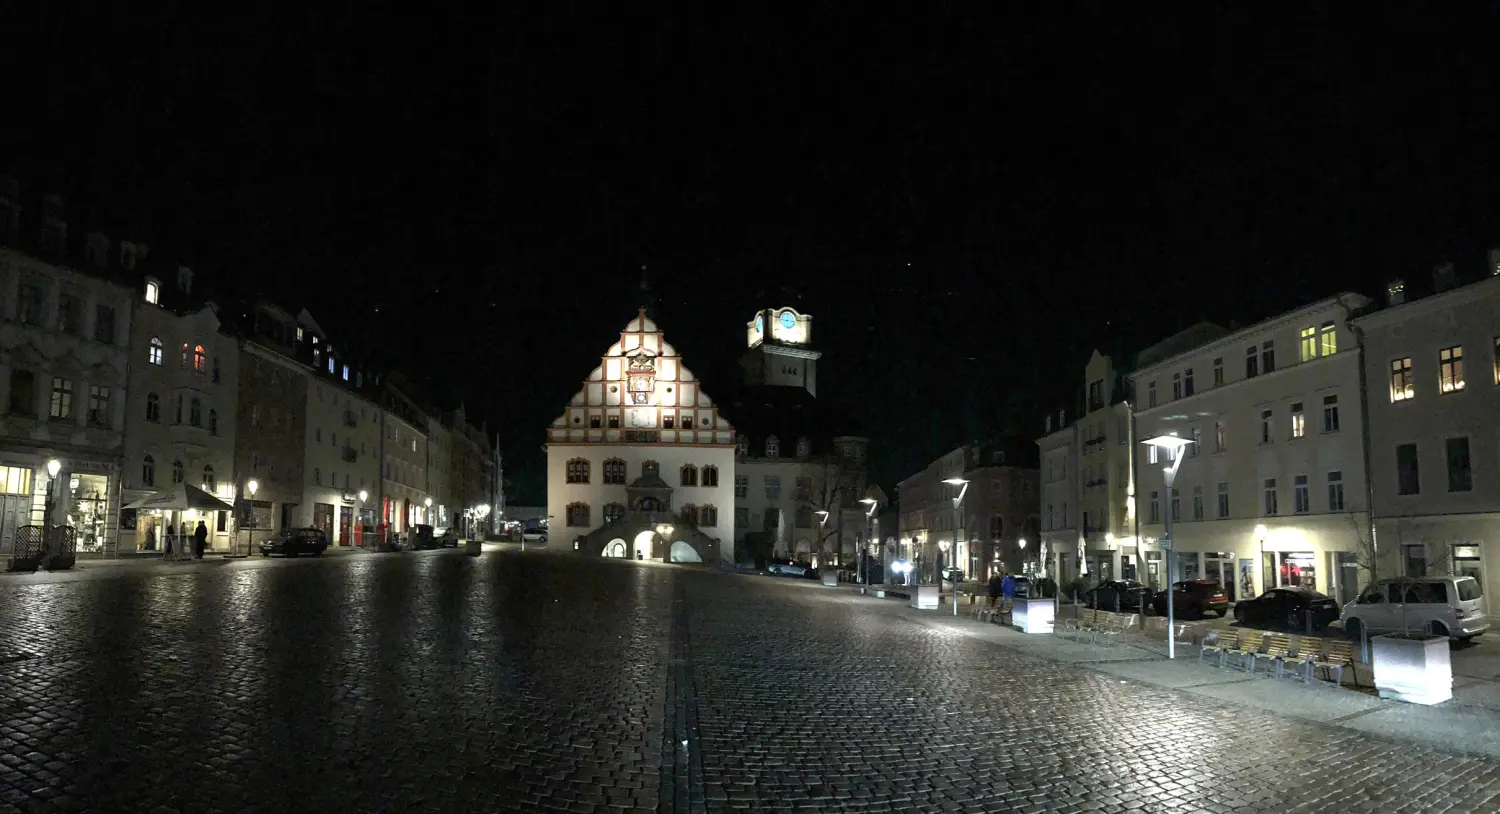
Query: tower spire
{"points": [[647, 296]]}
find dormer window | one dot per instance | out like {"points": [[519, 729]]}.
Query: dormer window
{"points": [[773, 447], [153, 291], [346, 373], [804, 448], [128, 257], [185, 279], [330, 364], [299, 334]]}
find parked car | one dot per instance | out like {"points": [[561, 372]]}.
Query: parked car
{"points": [[1193, 597], [1118, 594], [1443, 606], [534, 536], [447, 538], [422, 538], [787, 569], [1287, 607], [292, 542]]}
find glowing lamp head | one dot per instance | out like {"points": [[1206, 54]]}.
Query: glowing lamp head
{"points": [[1022, 542], [427, 502], [363, 495], [1260, 531], [253, 486], [955, 481], [54, 466]]}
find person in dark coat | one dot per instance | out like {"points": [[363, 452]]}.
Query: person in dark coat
{"points": [[200, 539], [996, 585]]}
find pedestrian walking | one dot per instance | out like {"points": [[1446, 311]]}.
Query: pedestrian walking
{"points": [[200, 539], [1008, 587], [997, 588]]}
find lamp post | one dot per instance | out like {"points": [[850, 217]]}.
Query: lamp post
{"points": [[873, 505], [1260, 535], [252, 486], [427, 505], [1174, 445], [943, 557], [1022, 543], [54, 466], [958, 508], [822, 524]]}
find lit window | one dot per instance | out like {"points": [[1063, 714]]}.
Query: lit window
{"points": [[155, 357], [1299, 421], [209, 483], [1151, 454], [1309, 345], [1401, 383], [1328, 338], [330, 364], [1451, 369], [153, 291], [1497, 360], [346, 373], [200, 359], [299, 334], [62, 398]]}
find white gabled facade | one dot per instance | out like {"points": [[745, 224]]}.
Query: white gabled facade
{"points": [[618, 457], [1274, 409]]}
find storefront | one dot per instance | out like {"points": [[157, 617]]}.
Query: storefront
{"points": [[1290, 568], [84, 497]]}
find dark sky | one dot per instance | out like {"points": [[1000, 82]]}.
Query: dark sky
{"points": [[966, 200]]}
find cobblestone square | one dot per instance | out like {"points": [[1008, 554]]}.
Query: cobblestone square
{"points": [[539, 682]]}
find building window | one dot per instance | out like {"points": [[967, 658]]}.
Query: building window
{"points": [[1267, 428], [708, 516], [1176, 506], [1187, 382], [1252, 363], [614, 421], [148, 471], [104, 323], [195, 412], [216, 370], [804, 448], [200, 359], [346, 373], [742, 446], [153, 407], [1151, 454], [741, 486], [29, 304], [62, 398], [1223, 501], [1268, 356], [773, 447], [1197, 502], [1219, 436], [1335, 491], [1155, 508], [1460, 474], [176, 472], [1451, 369], [1301, 498], [1096, 395], [186, 356], [651, 469], [330, 363], [668, 422], [1299, 421], [1197, 442], [1270, 506], [153, 291], [1401, 383], [578, 514], [742, 517], [208, 479], [70, 314], [1219, 372], [613, 513], [155, 352], [1408, 479], [689, 475], [213, 422], [1328, 338], [317, 476], [1309, 344], [1151, 394], [803, 518], [1176, 386], [710, 476], [773, 487], [594, 421], [614, 471], [1330, 414], [578, 471], [98, 405]]}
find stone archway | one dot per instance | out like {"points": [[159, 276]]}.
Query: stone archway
{"points": [[614, 548], [644, 547], [682, 552]]}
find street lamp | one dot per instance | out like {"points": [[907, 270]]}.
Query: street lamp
{"points": [[1260, 535], [873, 505], [958, 508], [1174, 445], [54, 466], [252, 486]]}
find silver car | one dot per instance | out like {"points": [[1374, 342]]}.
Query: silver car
{"points": [[1443, 606], [787, 569]]}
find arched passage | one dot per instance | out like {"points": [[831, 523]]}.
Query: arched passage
{"points": [[614, 548], [642, 548], [682, 552]]}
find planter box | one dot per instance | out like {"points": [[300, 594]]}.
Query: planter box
{"points": [[831, 579], [924, 597], [472, 548], [1413, 667], [1032, 615]]}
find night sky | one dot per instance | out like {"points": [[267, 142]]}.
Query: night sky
{"points": [[966, 201]]}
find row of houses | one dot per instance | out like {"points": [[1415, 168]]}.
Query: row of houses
{"points": [[1342, 440], [114, 365]]}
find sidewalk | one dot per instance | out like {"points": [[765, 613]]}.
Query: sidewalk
{"points": [[1469, 724]]}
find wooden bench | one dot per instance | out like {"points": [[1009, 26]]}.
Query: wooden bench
{"points": [[1114, 624], [1333, 656], [998, 612], [1087, 621], [1273, 649], [1302, 654], [1212, 643], [1247, 647]]}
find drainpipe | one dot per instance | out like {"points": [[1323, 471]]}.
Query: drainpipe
{"points": [[1364, 438]]}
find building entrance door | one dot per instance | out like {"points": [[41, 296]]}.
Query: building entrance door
{"points": [[346, 520], [1220, 567]]}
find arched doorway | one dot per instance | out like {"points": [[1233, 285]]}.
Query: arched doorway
{"points": [[682, 552], [614, 548], [642, 548]]}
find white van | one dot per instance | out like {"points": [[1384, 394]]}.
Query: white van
{"points": [[1443, 606]]}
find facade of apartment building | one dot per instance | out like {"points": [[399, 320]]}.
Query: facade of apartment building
{"points": [[1272, 491], [1061, 549]]}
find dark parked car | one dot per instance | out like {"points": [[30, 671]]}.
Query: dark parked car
{"points": [[447, 538], [422, 538], [1194, 597], [1286, 607], [292, 542], [1118, 594]]}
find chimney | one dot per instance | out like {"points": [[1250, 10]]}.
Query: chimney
{"points": [[1395, 292], [1443, 278]]}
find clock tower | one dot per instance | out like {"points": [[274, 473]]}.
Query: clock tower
{"points": [[779, 350]]}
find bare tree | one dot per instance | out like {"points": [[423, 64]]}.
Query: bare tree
{"points": [[828, 487], [1365, 552]]}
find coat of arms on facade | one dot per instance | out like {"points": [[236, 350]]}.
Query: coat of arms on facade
{"points": [[640, 378]]}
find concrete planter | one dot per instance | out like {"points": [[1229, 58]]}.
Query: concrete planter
{"points": [[472, 548], [924, 597], [831, 579], [1413, 667], [1032, 615]]}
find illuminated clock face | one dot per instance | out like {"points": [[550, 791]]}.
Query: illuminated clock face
{"points": [[758, 321], [787, 320]]}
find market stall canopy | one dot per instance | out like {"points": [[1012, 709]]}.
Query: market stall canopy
{"points": [[182, 496]]}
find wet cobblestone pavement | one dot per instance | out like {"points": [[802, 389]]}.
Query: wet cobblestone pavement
{"points": [[437, 682]]}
